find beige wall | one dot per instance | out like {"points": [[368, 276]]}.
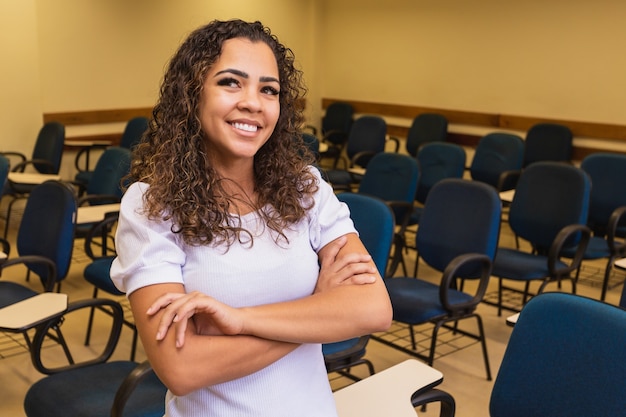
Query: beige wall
{"points": [[20, 88], [555, 58], [559, 59], [70, 55]]}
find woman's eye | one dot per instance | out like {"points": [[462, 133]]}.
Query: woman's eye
{"points": [[270, 91], [228, 82]]}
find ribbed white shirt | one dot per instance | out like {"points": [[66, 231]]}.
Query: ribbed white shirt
{"points": [[149, 253]]}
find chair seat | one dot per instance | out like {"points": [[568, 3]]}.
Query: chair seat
{"points": [[97, 273], [90, 391], [521, 266], [11, 293], [597, 248], [416, 301], [331, 348]]}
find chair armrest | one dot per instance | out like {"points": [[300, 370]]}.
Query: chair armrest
{"points": [[86, 150], [448, 405], [617, 247], [5, 247], [48, 281], [335, 137], [508, 180], [475, 261], [42, 332], [129, 385], [22, 165], [96, 230], [12, 154], [356, 160], [567, 234], [312, 128], [396, 142]]}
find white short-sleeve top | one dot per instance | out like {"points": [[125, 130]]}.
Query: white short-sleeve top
{"points": [[244, 275]]}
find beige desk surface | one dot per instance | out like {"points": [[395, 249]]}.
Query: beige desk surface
{"points": [[31, 178], [507, 196], [621, 263], [32, 311], [388, 392], [92, 214]]}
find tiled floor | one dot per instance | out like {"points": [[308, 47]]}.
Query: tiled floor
{"points": [[464, 373]]}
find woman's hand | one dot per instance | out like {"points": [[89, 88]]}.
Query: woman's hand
{"points": [[210, 316], [348, 269]]}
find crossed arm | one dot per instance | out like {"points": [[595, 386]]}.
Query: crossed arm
{"points": [[183, 334]]}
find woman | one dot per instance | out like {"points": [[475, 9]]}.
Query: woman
{"points": [[237, 259]]}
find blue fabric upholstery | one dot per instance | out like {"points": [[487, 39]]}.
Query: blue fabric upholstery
{"points": [[98, 274], [90, 385], [549, 210], [49, 147], [374, 221], [548, 197], [133, 132], [336, 125], [393, 177], [112, 166], [607, 210], [46, 159], [425, 128], [565, 357], [366, 138], [496, 154], [548, 142], [458, 236], [93, 388], [47, 228], [417, 301], [438, 160]]}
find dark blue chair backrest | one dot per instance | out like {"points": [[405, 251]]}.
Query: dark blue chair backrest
{"points": [[339, 117], [608, 186], [375, 223], [5, 166], [391, 177], [459, 217], [565, 357], [368, 133], [49, 147], [437, 161], [548, 142], [47, 227], [495, 154], [112, 166], [312, 143], [548, 197], [133, 132], [425, 128]]}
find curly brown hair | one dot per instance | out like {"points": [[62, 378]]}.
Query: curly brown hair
{"points": [[172, 156]]}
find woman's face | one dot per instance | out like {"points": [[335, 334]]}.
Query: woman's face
{"points": [[239, 104]]}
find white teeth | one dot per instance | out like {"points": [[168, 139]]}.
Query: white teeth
{"points": [[246, 127]]}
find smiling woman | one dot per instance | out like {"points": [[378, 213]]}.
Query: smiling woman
{"points": [[237, 258], [239, 109]]}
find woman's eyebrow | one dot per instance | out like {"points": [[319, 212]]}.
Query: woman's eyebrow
{"points": [[243, 74]]}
